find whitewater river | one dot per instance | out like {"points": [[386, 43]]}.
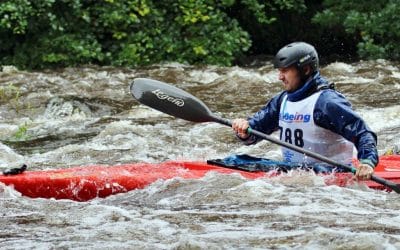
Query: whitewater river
{"points": [[81, 116]]}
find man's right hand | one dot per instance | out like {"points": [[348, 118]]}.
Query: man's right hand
{"points": [[240, 126]]}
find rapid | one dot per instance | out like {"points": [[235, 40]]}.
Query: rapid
{"points": [[81, 116]]}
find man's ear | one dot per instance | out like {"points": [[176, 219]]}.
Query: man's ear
{"points": [[307, 70]]}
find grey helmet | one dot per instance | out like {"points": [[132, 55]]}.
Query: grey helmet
{"points": [[299, 54]]}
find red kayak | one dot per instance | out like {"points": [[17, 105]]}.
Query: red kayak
{"points": [[88, 182]]}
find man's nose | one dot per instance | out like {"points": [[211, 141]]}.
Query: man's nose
{"points": [[281, 76]]}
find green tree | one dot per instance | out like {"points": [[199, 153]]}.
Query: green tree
{"points": [[57, 33], [45, 33], [374, 25], [49, 33]]}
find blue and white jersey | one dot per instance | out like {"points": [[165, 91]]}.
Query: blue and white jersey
{"points": [[330, 117], [297, 127]]}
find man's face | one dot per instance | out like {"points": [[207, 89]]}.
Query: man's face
{"points": [[290, 78]]}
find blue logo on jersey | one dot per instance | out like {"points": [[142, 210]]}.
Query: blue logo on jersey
{"points": [[288, 155], [298, 118]]}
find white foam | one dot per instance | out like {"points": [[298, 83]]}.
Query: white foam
{"points": [[9, 158], [396, 74], [7, 129], [8, 192], [141, 111], [204, 77], [381, 118], [340, 67], [244, 74], [354, 80]]}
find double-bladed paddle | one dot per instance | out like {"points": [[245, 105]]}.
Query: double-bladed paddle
{"points": [[179, 103]]}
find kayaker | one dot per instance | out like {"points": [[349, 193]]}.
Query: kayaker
{"points": [[312, 115]]}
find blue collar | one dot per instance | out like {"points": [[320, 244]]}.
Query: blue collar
{"points": [[303, 92]]}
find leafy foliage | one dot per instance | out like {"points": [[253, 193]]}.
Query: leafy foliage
{"points": [[58, 33], [37, 34], [375, 25]]}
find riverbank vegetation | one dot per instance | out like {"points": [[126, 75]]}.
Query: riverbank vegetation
{"points": [[59, 33]]}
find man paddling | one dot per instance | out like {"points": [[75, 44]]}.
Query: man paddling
{"points": [[310, 114]]}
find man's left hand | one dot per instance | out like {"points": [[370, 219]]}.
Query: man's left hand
{"points": [[364, 172]]}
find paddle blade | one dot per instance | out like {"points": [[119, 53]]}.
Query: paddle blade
{"points": [[170, 100]]}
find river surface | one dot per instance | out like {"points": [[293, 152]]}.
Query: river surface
{"points": [[81, 116]]}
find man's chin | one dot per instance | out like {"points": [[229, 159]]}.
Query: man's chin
{"points": [[289, 90]]}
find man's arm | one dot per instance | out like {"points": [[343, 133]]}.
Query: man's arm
{"points": [[265, 120]]}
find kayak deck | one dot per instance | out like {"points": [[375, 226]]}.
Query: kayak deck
{"points": [[89, 182]]}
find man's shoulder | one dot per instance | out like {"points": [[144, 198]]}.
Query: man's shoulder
{"points": [[331, 97]]}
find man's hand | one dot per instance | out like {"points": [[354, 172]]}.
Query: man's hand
{"points": [[240, 126], [364, 172]]}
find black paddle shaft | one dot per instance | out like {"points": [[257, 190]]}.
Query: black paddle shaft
{"points": [[179, 103]]}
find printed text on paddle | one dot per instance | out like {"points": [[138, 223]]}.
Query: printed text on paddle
{"points": [[162, 96]]}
